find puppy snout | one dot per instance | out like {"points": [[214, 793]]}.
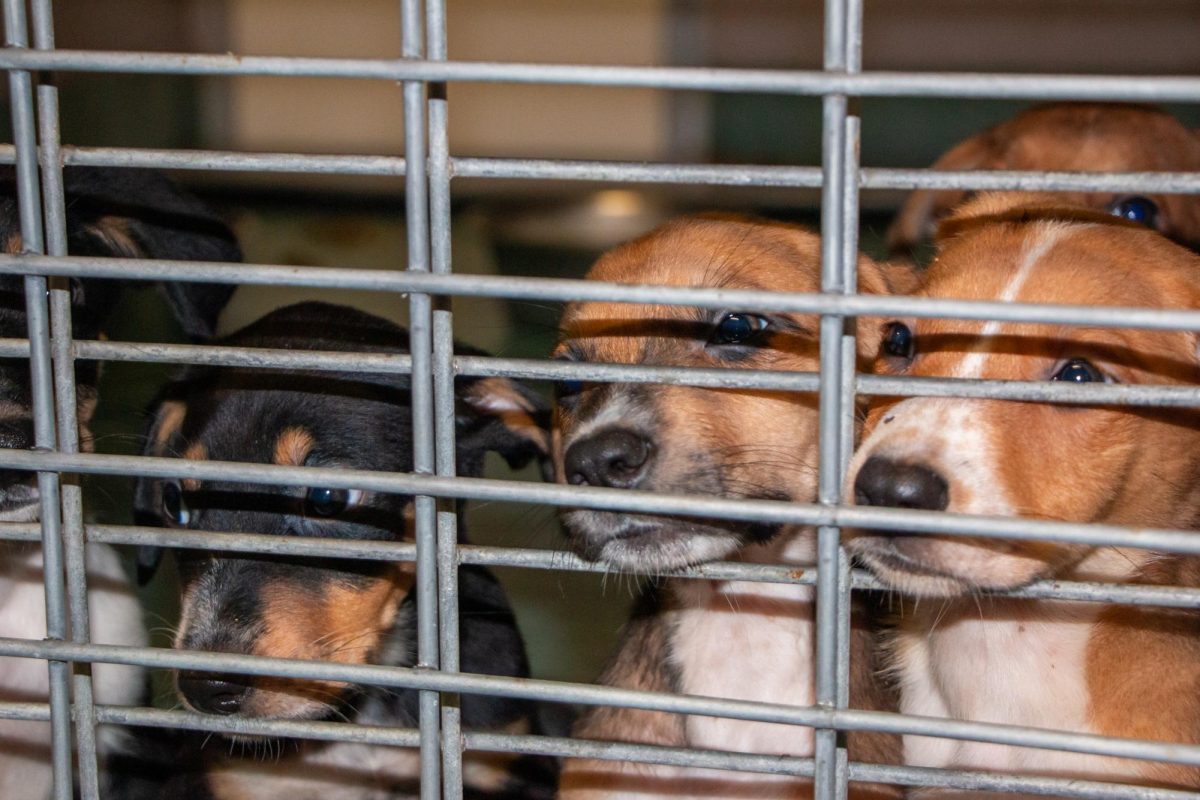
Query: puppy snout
{"points": [[883, 482], [211, 694], [616, 458]]}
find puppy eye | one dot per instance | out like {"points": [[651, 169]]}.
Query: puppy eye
{"points": [[1141, 210], [1077, 370], [738, 328], [322, 501], [898, 340], [172, 504], [567, 390]]}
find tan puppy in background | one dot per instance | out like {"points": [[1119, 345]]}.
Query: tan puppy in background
{"points": [[1103, 669], [1070, 137], [733, 639]]}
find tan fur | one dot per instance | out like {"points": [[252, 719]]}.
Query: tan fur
{"points": [[757, 440], [500, 398], [1125, 466], [171, 414], [14, 244], [337, 623], [292, 447], [1084, 137], [117, 236]]}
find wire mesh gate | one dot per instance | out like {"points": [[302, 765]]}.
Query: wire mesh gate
{"points": [[429, 168]]}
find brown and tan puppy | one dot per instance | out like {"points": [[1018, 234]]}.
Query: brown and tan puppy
{"points": [[1102, 669], [741, 640], [1072, 137]]}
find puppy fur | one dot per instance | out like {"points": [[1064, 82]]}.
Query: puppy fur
{"points": [[332, 609], [1068, 137], [1103, 669], [109, 213], [737, 640]]}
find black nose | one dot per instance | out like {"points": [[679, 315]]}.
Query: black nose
{"points": [[882, 482], [616, 458], [210, 693]]}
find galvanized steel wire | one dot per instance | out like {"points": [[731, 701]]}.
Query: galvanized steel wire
{"points": [[428, 169]]}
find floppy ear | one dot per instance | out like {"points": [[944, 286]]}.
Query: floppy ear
{"points": [[880, 277], [163, 438], [132, 213], [503, 416], [918, 217]]}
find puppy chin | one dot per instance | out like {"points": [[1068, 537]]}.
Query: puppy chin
{"points": [[636, 543], [934, 567]]}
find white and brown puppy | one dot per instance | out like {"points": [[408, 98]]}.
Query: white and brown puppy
{"points": [[1102, 669], [741, 640], [1072, 137]]}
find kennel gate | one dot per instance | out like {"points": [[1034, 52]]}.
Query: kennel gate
{"points": [[422, 70]]}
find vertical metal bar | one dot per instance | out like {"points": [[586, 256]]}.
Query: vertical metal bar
{"points": [[42, 389], [851, 150], [420, 342], [443, 400], [829, 780], [74, 548]]}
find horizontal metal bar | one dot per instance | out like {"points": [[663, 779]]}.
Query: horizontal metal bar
{"points": [[528, 558], [904, 776], [552, 691], [560, 560], [481, 741], [775, 511], [744, 175], [563, 290], [553, 370], [1138, 88]]}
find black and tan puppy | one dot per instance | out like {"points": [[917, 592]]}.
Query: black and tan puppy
{"points": [[109, 213], [336, 610]]}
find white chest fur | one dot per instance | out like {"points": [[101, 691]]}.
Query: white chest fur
{"points": [[115, 619], [749, 641], [1012, 662]]}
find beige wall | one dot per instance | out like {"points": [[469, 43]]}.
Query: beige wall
{"points": [[366, 117]]}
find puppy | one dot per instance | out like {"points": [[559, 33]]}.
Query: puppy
{"points": [[748, 641], [1102, 669], [1084, 137], [112, 213], [347, 611]]}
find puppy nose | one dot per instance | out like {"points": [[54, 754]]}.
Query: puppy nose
{"points": [[211, 694], [616, 458], [882, 482]]}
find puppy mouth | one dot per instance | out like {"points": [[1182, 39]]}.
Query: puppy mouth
{"points": [[645, 543], [905, 573]]}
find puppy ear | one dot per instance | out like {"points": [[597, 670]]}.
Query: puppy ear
{"points": [[886, 277], [503, 416], [163, 438], [130, 213], [918, 217], [875, 277]]}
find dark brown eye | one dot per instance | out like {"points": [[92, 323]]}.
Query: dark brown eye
{"points": [[1141, 210], [738, 328], [898, 340], [321, 501], [1079, 370], [173, 506]]}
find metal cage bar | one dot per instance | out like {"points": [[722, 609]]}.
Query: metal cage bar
{"points": [[424, 69], [42, 388], [66, 407]]}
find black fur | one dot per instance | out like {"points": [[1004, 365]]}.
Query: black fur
{"points": [[357, 421]]}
